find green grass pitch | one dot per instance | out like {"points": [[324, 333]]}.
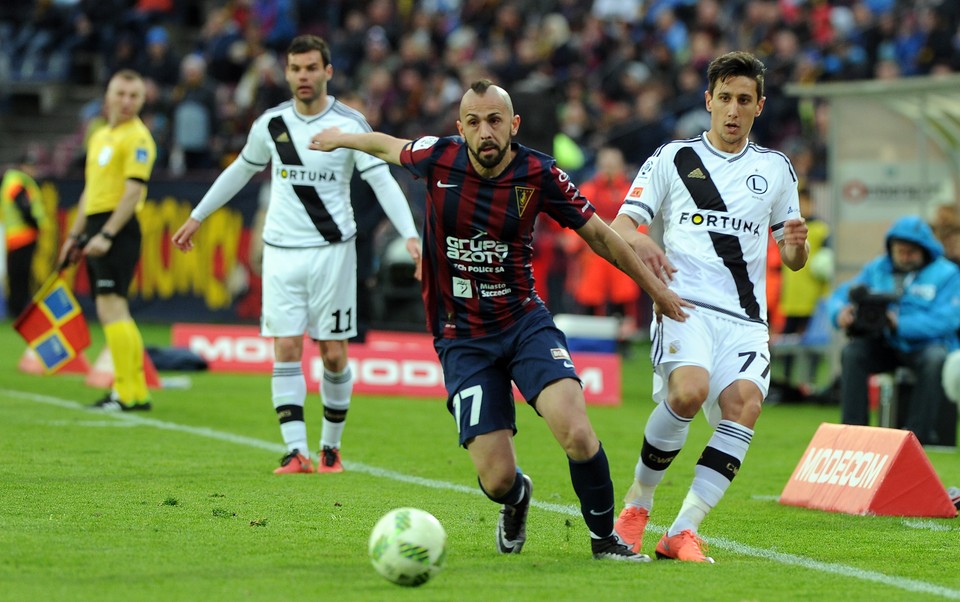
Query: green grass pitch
{"points": [[181, 504]]}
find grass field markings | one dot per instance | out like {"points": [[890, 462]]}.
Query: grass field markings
{"points": [[928, 525], [903, 583], [136, 420], [93, 423]]}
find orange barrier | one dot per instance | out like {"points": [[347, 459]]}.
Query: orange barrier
{"points": [[101, 373], [867, 470]]}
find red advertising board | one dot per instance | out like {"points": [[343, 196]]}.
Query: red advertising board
{"points": [[389, 363], [867, 470]]}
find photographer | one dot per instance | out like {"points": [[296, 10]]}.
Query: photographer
{"points": [[902, 309]]}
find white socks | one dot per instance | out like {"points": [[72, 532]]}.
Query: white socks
{"points": [[289, 390], [335, 391]]}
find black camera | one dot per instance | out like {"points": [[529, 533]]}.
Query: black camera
{"points": [[870, 312]]}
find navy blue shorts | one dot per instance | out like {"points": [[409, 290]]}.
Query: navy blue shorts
{"points": [[477, 372]]}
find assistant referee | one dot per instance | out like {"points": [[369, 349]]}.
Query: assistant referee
{"points": [[120, 158]]}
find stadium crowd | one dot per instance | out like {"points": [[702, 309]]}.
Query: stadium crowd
{"points": [[622, 73]]}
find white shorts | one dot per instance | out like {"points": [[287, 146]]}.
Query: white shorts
{"points": [[311, 291], [727, 348]]}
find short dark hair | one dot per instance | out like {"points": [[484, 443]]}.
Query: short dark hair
{"points": [[127, 74], [736, 64], [481, 86], [307, 43]]}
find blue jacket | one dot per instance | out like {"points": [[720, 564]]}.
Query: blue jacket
{"points": [[929, 310]]}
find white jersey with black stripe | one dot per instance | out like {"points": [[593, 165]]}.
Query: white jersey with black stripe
{"points": [[310, 190], [718, 211]]}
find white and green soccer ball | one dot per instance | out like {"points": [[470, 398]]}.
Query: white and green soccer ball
{"points": [[408, 546]]}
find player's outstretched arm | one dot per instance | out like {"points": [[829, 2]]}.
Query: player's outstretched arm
{"points": [[224, 188], [382, 146], [183, 237], [646, 249], [606, 243]]}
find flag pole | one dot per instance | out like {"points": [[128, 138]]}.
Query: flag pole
{"points": [[51, 279]]}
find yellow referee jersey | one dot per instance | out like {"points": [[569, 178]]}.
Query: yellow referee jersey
{"points": [[114, 156]]}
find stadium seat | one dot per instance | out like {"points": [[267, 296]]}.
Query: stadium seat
{"points": [[399, 304], [894, 398], [809, 347]]}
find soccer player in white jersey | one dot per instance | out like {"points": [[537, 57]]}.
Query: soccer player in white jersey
{"points": [[719, 195], [309, 258]]}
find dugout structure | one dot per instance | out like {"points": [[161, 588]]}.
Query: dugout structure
{"points": [[893, 149]]}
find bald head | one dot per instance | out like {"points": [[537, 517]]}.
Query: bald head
{"points": [[486, 92], [488, 125]]}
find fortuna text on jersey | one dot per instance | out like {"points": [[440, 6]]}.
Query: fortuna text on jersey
{"points": [[719, 207]]}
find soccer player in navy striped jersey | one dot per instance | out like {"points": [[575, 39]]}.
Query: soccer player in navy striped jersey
{"points": [[719, 195], [309, 258], [489, 325]]}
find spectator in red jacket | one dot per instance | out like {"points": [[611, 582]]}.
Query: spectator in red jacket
{"points": [[600, 288]]}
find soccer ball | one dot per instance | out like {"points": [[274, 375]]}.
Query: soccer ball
{"points": [[408, 546]]}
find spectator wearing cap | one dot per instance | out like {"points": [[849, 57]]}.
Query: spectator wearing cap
{"points": [[159, 62]]}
